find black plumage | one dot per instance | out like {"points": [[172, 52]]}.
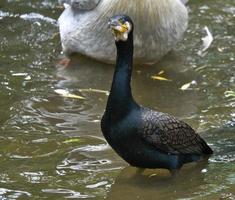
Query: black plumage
{"points": [[143, 137], [171, 135]]}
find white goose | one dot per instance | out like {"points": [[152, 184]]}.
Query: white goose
{"points": [[159, 25]]}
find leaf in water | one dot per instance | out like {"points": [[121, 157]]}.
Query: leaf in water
{"points": [[152, 175], [220, 49], [72, 140], [160, 78], [161, 72], [201, 68], [94, 90], [229, 93], [204, 170], [27, 78], [102, 183], [20, 74], [96, 120], [66, 93], [185, 86]]}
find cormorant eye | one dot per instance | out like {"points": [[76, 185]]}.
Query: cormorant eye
{"points": [[122, 20]]}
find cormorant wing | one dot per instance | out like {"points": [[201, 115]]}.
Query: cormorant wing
{"points": [[84, 5], [171, 135]]}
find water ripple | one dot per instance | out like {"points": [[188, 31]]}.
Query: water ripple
{"points": [[93, 148], [37, 16], [13, 194], [71, 194]]}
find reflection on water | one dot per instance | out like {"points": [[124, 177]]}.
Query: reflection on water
{"points": [[52, 147], [157, 185]]}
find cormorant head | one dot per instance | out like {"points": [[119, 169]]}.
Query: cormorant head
{"points": [[121, 26]]}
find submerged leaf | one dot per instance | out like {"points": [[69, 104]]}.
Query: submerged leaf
{"points": [[27, 78], [72, 140], [185, 86], [152, 175], [20, 74], [102, 183], [66, 93], [161, 72], [94, 90], [160, 78]]}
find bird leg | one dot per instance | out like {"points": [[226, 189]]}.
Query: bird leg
{"points": [[140, 171], [174, 173], [64, 62]]}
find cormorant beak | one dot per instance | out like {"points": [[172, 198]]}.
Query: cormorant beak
{"points": [[119, 30], [117, 26]]}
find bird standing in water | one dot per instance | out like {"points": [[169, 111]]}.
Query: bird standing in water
{"points": [[159, 25], [142, 137]]}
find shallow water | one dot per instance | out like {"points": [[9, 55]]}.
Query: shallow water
{"points": [[52, 147]]}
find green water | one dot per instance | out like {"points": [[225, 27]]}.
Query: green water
{"points": [[51, 147]]}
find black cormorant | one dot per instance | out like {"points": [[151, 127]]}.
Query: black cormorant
{"points": [[142, 137]]}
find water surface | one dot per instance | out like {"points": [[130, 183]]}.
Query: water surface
{"points": [[52, 147]]}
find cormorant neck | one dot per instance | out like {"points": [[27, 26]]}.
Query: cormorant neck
{"points": [[120, 100]]}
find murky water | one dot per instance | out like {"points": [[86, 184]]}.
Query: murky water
{"points": [[52, 147]]}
